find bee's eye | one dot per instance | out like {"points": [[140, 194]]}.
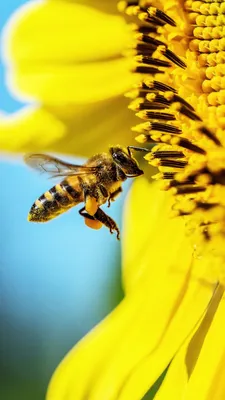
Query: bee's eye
{"points": [[120, 157]]}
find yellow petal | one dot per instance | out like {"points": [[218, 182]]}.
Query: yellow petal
{"points": [[148, 228], [175, 381], [31, 128], [69, 83], [100, 366], [71, 59], [175, 384], [92, 129], [185, 312], [56, 31], [77, 373], [208, 379], [69, 129]]}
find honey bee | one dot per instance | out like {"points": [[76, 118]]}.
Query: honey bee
{"points": [[96, 182]]}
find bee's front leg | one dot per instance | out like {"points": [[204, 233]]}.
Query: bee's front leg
{"points": [[113, 195]]}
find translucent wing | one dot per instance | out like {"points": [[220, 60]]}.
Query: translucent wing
{"points": [[55, 167]]}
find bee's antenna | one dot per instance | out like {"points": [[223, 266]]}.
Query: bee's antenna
{"points": [[137, 149]]}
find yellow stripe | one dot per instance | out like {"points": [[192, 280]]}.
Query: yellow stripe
{"points": [[49, 196], [59, 189], [39, 204]]}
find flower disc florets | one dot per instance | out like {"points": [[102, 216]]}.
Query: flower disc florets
{"points": [[181, 99]]}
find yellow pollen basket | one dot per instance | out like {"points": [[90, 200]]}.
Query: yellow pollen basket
{"points": [[93, 224]]}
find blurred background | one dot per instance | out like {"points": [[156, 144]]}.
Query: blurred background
{"points": [[56, 283]]}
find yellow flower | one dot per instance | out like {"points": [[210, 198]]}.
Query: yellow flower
{"points": [[173, 312]]}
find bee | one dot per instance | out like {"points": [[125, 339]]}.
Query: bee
{"points": [[94, 183]]}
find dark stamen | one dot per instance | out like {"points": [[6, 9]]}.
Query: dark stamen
{"points": [[161, 127], [206, 206], [175, 183], [161, 15], [168, 175], [145, 49], [174, 99], [149, 106], [147, 29], [190, 146], [144, 16], [156, 115], [132, 3], [210, 135], [165, 128], [188, 189], [156, 85], [165, 154], [188, 113], [179, 99], [142, 69], [149, 39], [175, 59], [173, 163], [158, 98], [154, 61]]}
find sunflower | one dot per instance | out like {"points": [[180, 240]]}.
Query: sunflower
{"points": [[171, 319]]}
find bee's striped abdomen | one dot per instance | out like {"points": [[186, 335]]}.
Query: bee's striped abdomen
{"points": [[54, 202]]}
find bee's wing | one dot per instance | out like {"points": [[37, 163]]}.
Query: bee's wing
{"points": [[56, 167]]}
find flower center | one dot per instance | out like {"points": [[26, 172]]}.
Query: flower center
{"points": [[180, 54]]}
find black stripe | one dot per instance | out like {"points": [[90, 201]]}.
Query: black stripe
{"points": [[75, 194], [61, 198], [34, 209], [52, 205], [38, 214], [49, 205]]}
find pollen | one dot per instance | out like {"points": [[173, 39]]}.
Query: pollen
{"points": [[180, 101], [91, 205], [93, 224]]}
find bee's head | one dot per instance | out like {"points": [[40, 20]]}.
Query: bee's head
{"points": [[125, 161]]}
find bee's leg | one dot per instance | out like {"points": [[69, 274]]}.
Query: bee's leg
{"points": [[105, 195], [113, 195], [94, 196], [102, 217], [90, 221], [129, 148], [84, 214]]}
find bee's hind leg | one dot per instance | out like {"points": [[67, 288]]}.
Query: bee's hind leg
{"points": [[90, 221], [102, 218]]}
